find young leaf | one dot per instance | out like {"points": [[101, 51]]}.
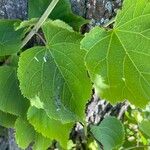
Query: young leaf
{"points": [[145, 127], [41, 143], [57, 78], [49, 128], [62, 11], [11, 100], [25, 135], [10, 40], [7, 120], [110, 133], [118, 60], [26, 25]]}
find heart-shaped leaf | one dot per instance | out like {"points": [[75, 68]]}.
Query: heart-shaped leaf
{"points": [[25, 135], [49, 128], [54, 77], [110, 133], [118, 59], [11, 100]]}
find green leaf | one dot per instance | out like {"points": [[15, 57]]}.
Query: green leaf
{"points": [[57, 78], [12, 61], [118, 60], [41, 143], [7, 120], [11, 100], [110, 133], [49, 128], [145, 127], [25, 135], [10, 40], [26, 25], [62, 11], [2, 59]]}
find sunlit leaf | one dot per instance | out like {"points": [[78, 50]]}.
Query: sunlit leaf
{"points": [[26, 135], [118, 59], [54, 77], [49, 128]]}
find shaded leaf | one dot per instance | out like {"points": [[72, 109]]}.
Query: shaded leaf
{"points": [[145, 127], [109, 132], [10, 39], [7, 120], [11, 100]]}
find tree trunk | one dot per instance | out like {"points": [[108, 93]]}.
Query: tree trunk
{"points": [[12, 9], [99, 11]]}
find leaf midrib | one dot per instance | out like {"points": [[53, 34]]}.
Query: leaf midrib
{"points": [[72, 96]]}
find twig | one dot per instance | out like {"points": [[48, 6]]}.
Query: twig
{"points": [[40, 22]]}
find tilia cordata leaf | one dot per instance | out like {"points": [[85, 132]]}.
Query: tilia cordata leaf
{"points": [[110, 133], [7, 120], [118, 60], [25, 135], [54, 77], [144, 126], [49, 128], [10, 39], [11, 100]]}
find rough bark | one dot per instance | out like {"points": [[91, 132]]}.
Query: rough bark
{"points": [[4, 144], [12, 9], [98, 11], [11, 140]]}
